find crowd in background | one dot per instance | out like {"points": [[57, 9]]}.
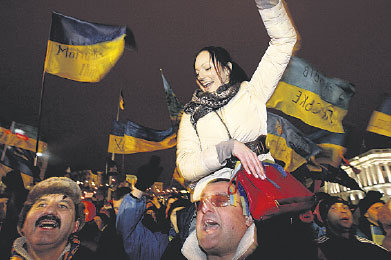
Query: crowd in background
{"points": [[371, 219]]}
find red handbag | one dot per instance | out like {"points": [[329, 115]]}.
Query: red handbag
{"points": [[279, 193]]}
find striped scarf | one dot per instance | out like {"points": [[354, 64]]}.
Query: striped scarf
{"points": [[203, 103]]}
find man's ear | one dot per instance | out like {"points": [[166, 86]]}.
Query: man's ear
{"points": [[76, 227]]}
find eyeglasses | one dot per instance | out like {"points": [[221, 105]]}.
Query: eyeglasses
{"points": [[217, 200]]}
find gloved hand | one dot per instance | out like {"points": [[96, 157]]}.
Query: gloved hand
{"points": [[148, 173], [266, 4]]}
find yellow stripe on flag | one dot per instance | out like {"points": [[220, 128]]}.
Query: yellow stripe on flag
{"points": [[307, 106], [116, 144], [85, 63], [136, 145], [281, 151], [380, 123]]}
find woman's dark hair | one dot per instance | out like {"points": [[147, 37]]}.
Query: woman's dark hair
{"points": [[221, 56]]}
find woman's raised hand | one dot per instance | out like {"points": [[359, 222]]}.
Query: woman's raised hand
{"points": [[249, 160]]}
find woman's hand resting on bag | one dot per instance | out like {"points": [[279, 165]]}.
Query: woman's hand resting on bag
{"points": [[249, 160]]}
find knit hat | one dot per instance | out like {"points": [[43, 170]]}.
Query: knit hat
{"points": [[325, 205], [371, 198], [54, 185]]}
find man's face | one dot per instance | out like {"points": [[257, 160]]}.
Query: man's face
{"points": [[340, 217], [50, 221], [116, 204], [372, 211], [220, 229]]}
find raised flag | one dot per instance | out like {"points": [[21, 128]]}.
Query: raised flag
{"points": [[23, 136], [116, 138], [287, 143], [175, 107], [380, 122], [317, 100], [138, 138], [128, 138], [122, 101], [332, 145], [81, 50]]}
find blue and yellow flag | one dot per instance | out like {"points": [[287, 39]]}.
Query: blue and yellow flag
{"points": [[139, 138], [83, 51], [116, 138], [128, 138], [175, 107], [380, 122], [23, 136], [287, 143], [305, 93], [122, 101], [333, 147]]}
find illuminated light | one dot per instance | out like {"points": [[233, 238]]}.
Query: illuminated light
{"points": [[39, 154]]}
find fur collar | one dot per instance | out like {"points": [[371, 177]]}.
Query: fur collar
{"points": [[192, 251]]}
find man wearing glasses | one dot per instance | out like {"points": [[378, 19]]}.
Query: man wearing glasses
{"points": [[223, 229]]}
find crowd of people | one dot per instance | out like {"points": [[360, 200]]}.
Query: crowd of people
{"points": [[222, 128], [55, 223]]}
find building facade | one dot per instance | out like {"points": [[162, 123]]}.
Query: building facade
{"points": [[375, 167]]}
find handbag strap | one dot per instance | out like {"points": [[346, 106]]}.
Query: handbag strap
{"points": [[239, 166], [234, 177], [226, 128]]}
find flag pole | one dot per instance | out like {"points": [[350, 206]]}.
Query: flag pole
{"points": [[41, 101], [6, 145], [40, 116], [113, 154]]}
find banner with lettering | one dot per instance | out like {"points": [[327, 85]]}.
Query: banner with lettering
{"points": [[317, 100], [82, 51]]}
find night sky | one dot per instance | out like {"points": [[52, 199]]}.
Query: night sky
{"points": [[345, 39]]}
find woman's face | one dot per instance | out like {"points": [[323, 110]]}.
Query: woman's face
{"points": [[207, 78]]}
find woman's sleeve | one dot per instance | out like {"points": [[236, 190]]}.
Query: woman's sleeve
{"points": [[272, 65], [192, 162]]}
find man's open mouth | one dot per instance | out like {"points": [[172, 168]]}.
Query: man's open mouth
{"points": [[48, 222], [210, 225]]}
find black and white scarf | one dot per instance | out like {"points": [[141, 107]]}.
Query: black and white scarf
{"points": [[203, 103]]}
